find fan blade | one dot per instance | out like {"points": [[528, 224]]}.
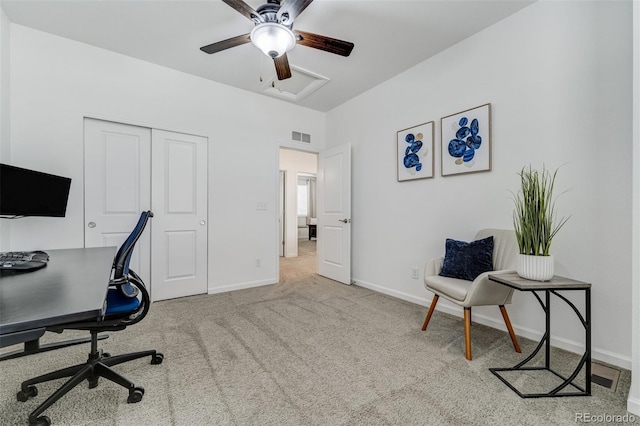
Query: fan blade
{"points": [[293, 8], [245, 9], [226, 44], [328, 44], [282, 67]]}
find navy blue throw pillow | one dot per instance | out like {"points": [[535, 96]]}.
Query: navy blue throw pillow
{"points": [[467, 260]]}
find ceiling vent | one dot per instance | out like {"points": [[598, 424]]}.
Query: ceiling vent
{"points": [[300, 137], [301, 84]]}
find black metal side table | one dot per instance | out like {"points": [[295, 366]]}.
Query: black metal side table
{"points": [[556, 284]]}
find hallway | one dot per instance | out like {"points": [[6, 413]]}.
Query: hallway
{"points": [[294, 269]]}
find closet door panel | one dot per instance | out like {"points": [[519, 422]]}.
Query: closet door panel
{"points": [[179, 202], [117, 187]]}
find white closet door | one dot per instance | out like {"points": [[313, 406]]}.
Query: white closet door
{"points": [[179, 204], [117, 187]]}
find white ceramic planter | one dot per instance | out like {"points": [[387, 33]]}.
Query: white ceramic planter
{"points": [[536, 268]]}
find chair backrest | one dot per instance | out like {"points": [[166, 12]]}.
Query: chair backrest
{"points": [[505, 247], [123, 257]]}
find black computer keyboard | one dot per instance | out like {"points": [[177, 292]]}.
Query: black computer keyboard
{"points": [[23, 261]]}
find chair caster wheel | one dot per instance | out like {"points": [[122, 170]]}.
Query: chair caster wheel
{"points": [[40, 421], [135, 395], [93, 383], [24, 395], [106, 354], [157, 358]]}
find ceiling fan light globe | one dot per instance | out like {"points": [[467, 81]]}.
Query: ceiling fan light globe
{"points": [[273, 39]]}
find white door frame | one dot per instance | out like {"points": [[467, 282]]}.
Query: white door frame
{"points": [[282, 208], [277, 199]]}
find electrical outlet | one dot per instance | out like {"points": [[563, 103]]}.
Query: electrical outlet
{"points": [[415, 274], [258, 262]]}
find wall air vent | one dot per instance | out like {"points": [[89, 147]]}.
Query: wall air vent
{"points": [[300, 137]]}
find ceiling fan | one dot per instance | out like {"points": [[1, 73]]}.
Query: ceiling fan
{"points": [[274, 35]]}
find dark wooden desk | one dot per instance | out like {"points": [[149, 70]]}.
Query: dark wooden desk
{"points": [[550, 287], [72, 287]]}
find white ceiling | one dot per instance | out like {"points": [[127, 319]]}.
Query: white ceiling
{"points": [[390, 36]]}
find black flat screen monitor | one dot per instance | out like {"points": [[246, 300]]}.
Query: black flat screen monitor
{"points": [[26, 192]]}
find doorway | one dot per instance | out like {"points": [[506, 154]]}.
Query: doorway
{"points": [[298, 171], [333, 170]]}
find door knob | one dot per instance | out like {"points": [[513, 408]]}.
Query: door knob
{"points": [[202, 223], [91, 224], [344, 220]]}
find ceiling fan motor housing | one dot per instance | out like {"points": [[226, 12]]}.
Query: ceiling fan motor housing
{"points": [[269, 13]]}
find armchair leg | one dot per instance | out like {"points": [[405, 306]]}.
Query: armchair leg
{"points": [[467, 332], [507, 322], [432, 307]]}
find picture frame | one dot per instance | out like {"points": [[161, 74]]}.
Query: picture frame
{"points": [[465, 139], [415, 158]]}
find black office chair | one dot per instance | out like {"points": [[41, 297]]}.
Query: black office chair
{"points": [[127, 303]]}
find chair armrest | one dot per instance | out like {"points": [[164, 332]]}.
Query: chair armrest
{"points": [[125, 285], [433, 266], [500, 271], [145, 300], [486, 292], [118, 281]]}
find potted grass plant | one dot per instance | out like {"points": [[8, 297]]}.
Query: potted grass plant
{"points": [[535, 224]]}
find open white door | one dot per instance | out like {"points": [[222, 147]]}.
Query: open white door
{"points": [[334, 213]]}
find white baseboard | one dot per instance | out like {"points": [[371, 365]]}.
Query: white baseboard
{"points": [[400, 295], [633, 406], [597, 354], [240, 286]]}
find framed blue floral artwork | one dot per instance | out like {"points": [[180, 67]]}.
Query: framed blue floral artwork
{"points": [[466, 141], [415, 159]]}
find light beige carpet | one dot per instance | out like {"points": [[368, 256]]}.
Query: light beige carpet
{"points": [[306, 351]]}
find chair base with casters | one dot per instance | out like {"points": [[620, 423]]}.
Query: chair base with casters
{"points": [[480, 291], [98, 365]]}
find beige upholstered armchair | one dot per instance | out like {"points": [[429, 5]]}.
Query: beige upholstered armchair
{"points": [[480, 291]]}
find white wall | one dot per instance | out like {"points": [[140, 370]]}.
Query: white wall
{"points": [[56, 82], [5, 108], [633, 403], [294, 162], [558, 76], [5, 99]]}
